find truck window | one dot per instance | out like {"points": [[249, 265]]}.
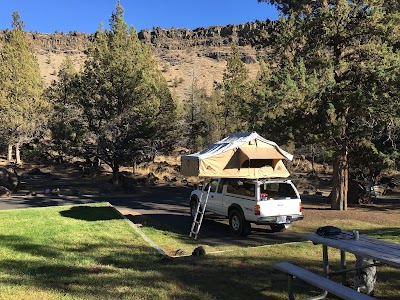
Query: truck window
{"points": [[222, 182], [241, 188], [214, 186], [275, 190]]}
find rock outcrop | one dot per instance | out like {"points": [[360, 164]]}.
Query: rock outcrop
{"points": [[68, 43], [217, 36]]}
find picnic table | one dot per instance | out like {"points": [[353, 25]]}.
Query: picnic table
{"points": [[380, 251]]}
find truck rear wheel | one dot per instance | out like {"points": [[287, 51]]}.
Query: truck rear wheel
{"points": [[238, 224]]}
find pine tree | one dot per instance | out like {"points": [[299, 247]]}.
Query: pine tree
{"points": [[343, 59], [127, 107], [22, 108]]}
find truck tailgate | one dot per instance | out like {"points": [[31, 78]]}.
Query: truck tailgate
{"points": [[279, 207]]}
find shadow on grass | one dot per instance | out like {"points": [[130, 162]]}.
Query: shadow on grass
{"points": [[114, 270], [25, 245], [90, 213]]}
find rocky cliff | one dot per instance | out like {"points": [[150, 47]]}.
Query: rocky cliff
{"points": [[184, 56]]}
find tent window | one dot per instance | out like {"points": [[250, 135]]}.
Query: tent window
{"points": [[256, 163]]}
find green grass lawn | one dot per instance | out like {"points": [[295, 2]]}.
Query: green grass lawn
{"points": [[90, 252]]}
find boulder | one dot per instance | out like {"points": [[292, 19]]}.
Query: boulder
{"points": [[35, 171], [4, 192], [128, 183], [9, 179], [199, 251], [55, 192], [247, 59], [38, 172], [357, 193]]}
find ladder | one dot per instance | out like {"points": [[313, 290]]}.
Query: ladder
{"points": [[199, 211]]}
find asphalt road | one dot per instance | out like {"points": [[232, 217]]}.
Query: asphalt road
{"points": [[161, 207]]}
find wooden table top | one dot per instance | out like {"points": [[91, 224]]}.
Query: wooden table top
{"points": [[379, 250]]}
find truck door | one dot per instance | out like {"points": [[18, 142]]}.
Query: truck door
{"points": [[215, 198], [242, 194]]}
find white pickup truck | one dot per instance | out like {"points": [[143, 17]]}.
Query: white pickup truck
{"points": [[274, 202]]}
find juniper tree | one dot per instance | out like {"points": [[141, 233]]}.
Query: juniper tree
{"points": [[65, 122], [23, 110], [236, 96], [341, 58], [202, 117], [126, 103]]}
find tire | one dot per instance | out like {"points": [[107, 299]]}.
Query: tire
{"points": [[193, 207], [279, 227], [237, 223], [246, 228]]}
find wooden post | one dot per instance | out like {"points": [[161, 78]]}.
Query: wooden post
{"points": [[343, 263]]}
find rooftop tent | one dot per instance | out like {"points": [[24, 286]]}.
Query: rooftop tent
{"points": [[240, 155]]}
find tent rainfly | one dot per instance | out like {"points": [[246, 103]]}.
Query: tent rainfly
{"points": [[240, 155]]}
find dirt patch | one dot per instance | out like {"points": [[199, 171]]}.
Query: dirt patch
{"points": [[383, 213]]}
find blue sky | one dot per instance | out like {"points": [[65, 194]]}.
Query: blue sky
{"points": [[47, 16]]}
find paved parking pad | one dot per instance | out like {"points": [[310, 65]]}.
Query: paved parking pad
{"points": [[168, 209], [215, 231]]}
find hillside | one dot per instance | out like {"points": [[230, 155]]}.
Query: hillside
{"points": [[183, 55]]}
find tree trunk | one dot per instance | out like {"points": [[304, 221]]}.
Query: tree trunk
{"points": [[9, 152], [115, 170], [134, 166], [340, 182], [313, 160], [17, 154]]}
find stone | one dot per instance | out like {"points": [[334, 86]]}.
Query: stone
{"points": [[4, 192], [247, 59], [128, 183], [36, 171], [199, 251], [357, 193], [55, 192], [9, 179]]}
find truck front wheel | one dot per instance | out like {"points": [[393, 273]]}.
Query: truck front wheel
{"points": [[238, 224], [193, 207]]}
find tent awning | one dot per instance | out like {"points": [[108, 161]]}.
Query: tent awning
{"points": [[260, 153]]}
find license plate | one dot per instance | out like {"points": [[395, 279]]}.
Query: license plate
{"points": [[281, 219]]}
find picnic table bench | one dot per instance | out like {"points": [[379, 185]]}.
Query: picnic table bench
{"points": [[318, 281], [380, 251]]}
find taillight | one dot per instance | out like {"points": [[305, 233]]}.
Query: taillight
{"points": [[257, 210], [301, 207]]}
